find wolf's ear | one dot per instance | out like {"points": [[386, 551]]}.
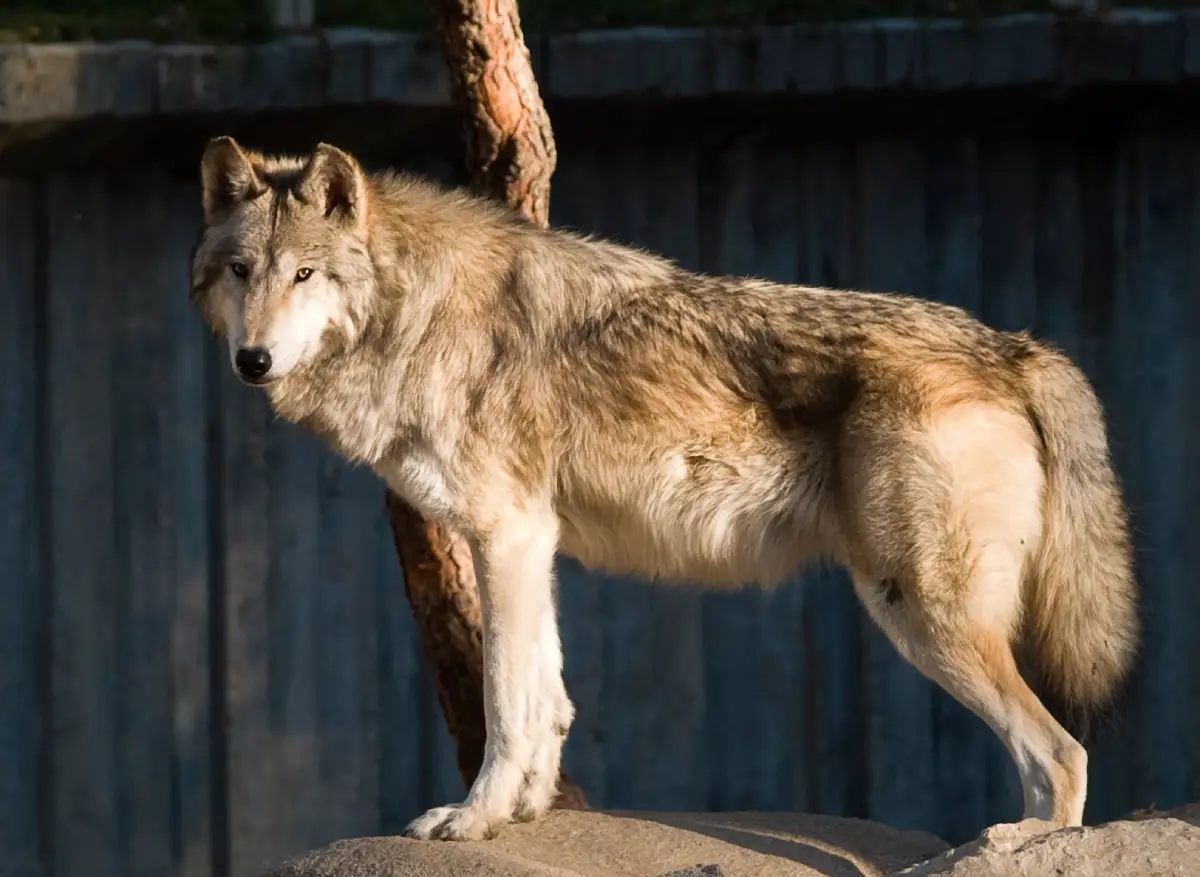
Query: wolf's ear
{"points": [[228, 175], [333, 181]]}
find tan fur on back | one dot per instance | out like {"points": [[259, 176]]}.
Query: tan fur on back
{"points": [[541, 390]]}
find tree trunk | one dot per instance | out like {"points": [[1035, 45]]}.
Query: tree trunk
{"points": [[511, 156]]}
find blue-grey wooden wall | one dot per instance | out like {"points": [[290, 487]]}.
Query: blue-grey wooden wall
{"points": [[206, 657]]}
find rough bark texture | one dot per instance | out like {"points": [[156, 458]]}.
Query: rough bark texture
{"points": [[510, 144], [511, 156]]}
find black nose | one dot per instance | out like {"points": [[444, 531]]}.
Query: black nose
{"points": [[253, 362]]}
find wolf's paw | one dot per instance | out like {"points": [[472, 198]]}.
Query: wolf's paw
{"points": [[536, 797], [456, 822]]}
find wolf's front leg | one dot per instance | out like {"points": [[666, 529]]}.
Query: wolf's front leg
{"points": [[525, 703]]}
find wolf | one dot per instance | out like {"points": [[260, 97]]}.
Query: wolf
{"points": [[543, 391]]}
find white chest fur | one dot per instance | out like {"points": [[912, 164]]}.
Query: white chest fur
{"points": [[419, 477]]}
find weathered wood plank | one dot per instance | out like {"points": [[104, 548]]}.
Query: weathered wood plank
{"points": [[1152, 301], [902, 766], [85, 822], [1009, 302], [727, 247], [137, 222], [21, 533], [1007, 198], [952, 219], [676, 610], [1059, 250], [293, 467], [191, 519], [834, 706], [574, 203], [630, 694], [780, 770], [1126, 374], [346, 644], [252, 764], [1189, 474]]}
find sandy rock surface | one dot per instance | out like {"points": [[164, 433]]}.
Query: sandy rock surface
{"points": [[591, 844], [1145, 845]]}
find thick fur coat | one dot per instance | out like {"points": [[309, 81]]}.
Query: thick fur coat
{"points": [[545, 392]]}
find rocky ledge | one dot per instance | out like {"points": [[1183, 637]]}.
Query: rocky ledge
{"points": [[594, 844]]}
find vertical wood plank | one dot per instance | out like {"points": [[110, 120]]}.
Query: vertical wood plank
{"points": [[1102, 187], [892, 258], [952, 219], [574, 203], [1009, 303], [1126, 348], [729, 615], [834, 700], [1058, 250], [21, 648], [1152, 303], [189, 429], [1007, 192], [346, 652], [629, 691], [676, 610], [142, 377], [780, 754], [85, 821], [1189, 475], [252, 769], [293, 465]]}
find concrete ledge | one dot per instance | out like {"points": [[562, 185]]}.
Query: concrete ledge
{"points": [[71, 82]]}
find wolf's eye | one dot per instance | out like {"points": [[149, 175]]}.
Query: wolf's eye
{"points": [[239, 269], [303, 274]]}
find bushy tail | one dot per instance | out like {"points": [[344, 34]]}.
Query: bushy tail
{"points": [[1081, 608]]}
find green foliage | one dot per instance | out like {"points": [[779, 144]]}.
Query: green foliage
{"points": [[246, 20]]}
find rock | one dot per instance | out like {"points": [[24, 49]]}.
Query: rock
{"points": [[1149, 843], [594, 844], [699, 871], [1146, 845]]}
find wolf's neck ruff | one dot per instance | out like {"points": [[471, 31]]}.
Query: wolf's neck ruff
{"points": [[541, 392]]}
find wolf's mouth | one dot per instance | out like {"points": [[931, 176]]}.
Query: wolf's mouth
{"points": [[263, 381]]}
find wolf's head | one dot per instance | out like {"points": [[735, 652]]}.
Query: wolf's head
{"points": [[282, 269]]}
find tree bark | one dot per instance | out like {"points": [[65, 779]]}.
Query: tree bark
{"points": [[510, 144], [511, 156]]}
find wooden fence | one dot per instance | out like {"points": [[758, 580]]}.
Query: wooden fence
{"points": [[206, 657]]}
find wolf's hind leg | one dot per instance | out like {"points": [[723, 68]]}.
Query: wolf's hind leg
{"points": [[950, 515], [974, 663]]}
